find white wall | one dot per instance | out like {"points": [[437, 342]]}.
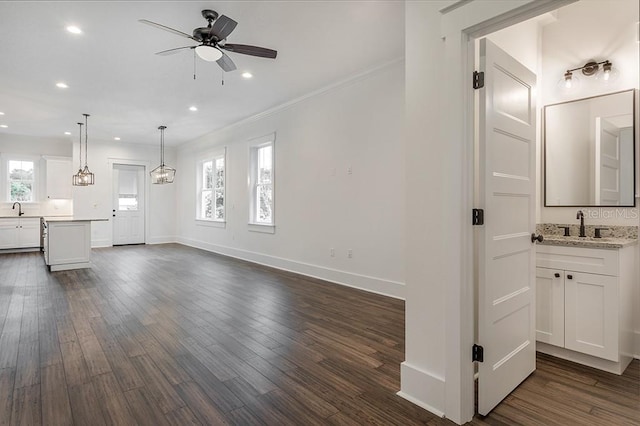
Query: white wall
{"points": [[96, 201], [319, 206], [36, 148], [577, 36]]}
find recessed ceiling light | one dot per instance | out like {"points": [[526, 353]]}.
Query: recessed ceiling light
{"points": [[67, 133], [247, 74], [74, 30], [192, 108], [62, 85], [116, 138], [4, 126], [1, 113]]}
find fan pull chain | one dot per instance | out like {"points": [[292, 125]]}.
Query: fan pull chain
{"points": [[222, 76], [194, 64]]}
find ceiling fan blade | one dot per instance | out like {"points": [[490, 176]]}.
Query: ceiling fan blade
{"points": [[226, 63], [171, 30], [222, 27], [172, 51], [245, 49]]}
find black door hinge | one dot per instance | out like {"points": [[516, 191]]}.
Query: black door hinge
{"points": [[477, 217], [478, 353], [478, 79]]}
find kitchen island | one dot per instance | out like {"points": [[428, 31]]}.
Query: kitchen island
{"points": [[67, 242]]}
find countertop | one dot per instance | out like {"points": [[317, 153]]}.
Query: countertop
{"points": [[57, 218], [588, 242], [73, 219]]}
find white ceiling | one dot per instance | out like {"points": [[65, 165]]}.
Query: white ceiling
{"points": [[113, 74]]}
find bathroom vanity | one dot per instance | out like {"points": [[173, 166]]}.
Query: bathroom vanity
{"points": [[584, 299]]}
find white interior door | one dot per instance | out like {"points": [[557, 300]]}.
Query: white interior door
{"points": [[607, 163], [128, 204], [506, 254]]}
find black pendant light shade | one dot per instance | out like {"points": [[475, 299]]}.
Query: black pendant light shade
{"points": [[163, 173]]}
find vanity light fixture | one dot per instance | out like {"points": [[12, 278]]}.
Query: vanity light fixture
{"points": [[603, 71], [162, 174]]}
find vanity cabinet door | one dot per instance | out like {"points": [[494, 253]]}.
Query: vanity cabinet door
{"points": [[591, 314], [550, 306]]}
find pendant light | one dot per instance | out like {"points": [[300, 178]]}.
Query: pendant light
{"points": [[78, 179], [88, 177], [162, 174]]}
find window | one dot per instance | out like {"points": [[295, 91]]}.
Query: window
{"points": [[211, 188], [262, 181], [21, 180]]}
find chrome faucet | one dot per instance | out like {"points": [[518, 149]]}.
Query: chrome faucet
{"points": [[580, 215], [20, 212]]}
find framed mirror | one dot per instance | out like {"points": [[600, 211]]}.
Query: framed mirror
{"points": [[589, 152]]}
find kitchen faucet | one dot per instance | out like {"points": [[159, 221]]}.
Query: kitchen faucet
{"points": [[580, 216], [20, 212]]}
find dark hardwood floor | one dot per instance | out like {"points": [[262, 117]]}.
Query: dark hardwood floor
{"points": [[167, 334]]}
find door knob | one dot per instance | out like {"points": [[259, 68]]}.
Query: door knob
{"points": [[557, 275], [538, 238], [570, 277]]}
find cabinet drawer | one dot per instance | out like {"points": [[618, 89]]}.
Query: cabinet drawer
{"points": [[579, 259]]}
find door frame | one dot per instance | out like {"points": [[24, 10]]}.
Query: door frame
{"points": [[147, 189], [462, 23]]}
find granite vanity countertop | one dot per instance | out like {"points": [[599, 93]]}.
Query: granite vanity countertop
{"points": [[588, 242]]}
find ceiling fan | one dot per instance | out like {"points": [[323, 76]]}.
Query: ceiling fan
{"points": [[212, 39]]}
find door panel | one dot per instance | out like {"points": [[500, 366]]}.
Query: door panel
{"points": [[607, 163], [128, 204], [506, 256], [591, 321], [550, 306]]}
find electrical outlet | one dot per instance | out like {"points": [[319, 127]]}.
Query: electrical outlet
{"points": [[349, 253], [332, 252]]}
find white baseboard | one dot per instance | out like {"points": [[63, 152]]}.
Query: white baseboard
{"points": [[100, 243], [422, 389], [363, 282], [163, 239]]}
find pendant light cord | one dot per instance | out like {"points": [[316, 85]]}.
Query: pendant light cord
{"points": [[80, 153], [86, 138]]}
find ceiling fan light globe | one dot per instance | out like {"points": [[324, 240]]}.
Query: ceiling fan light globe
{"points": [[208, 53]]}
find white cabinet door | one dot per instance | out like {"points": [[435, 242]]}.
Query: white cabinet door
{"points": [[591, 314], [59, 172], [9, 231], [29, 235], [550, 306]]}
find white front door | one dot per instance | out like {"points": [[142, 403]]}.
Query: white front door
{"points": [[607, 163], [506, 254], [128, 204]]}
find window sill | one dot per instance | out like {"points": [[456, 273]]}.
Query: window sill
{"points": [[263, 228], [211, 223]]}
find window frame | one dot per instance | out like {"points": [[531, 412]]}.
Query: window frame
{"points": [[254, 146], [6, 181], [212, 157]]}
